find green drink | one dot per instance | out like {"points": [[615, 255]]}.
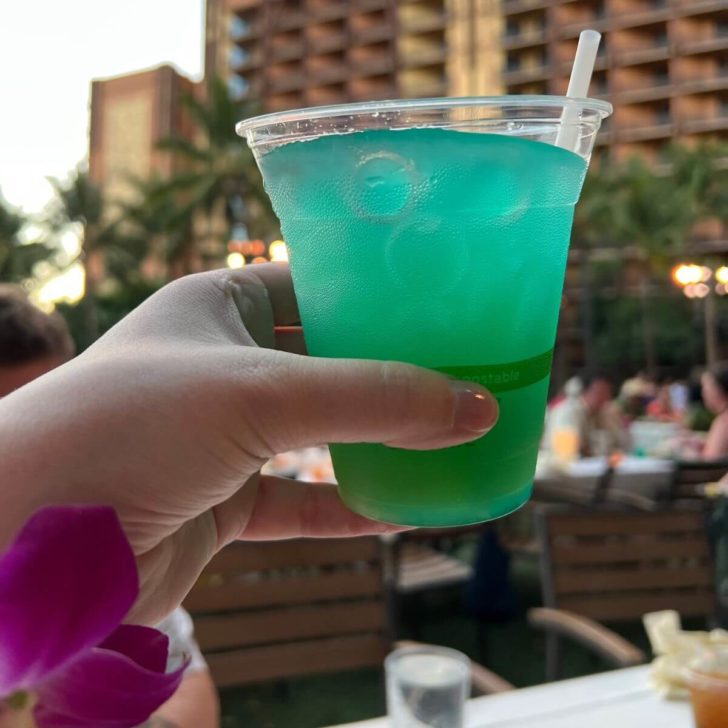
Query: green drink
{"points": [[442, 247]]}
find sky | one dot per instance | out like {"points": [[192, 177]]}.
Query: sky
{"points": [[50, 50]]}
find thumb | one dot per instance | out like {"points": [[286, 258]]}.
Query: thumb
{"points": [[339, 400]]}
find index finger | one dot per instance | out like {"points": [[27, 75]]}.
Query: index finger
{"points": [[276, 277]]}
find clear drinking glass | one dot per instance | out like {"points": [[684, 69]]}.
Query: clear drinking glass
{"points": [[434, 232], [427, 687]]}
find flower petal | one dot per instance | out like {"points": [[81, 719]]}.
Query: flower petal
{"points": [[146, 646], [104, 688], [65, 583]]}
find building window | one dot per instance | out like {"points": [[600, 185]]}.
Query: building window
{"points": [[513, 28], [238, 56], [238, 28], [238, 86], [513, 62], [662, 113]]}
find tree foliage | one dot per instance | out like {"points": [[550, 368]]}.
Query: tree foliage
{"points": [[17, 257]]}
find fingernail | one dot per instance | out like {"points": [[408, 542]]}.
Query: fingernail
{"points": [[476, 410]]}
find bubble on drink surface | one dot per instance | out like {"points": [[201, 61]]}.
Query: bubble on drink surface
{"points": [[427, 254], [383, 185]]}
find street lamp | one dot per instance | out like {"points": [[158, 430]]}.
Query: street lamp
{"points": [[695, 282], [279, 253]]}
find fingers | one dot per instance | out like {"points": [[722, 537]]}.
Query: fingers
{"points": [[240, 305], [290, 339], [276, 279], [289, 509], [254, 305], [301, 401]]}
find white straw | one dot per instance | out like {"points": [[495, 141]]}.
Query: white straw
{"points": [[581, 73]]}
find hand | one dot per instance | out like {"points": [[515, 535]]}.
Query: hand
{"points": [[170, 415]]}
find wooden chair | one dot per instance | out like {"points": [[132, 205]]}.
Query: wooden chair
{"points": [[281, 609], [615, 565], [419, 562], [691, 475]]}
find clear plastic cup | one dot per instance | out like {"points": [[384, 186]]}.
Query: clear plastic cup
{"points": [[427, 687], [434, 232]]}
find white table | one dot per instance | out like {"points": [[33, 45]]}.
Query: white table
{"points": [[617, 699], [647, 477]]}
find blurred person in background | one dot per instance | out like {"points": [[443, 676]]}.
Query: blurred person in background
{"points": [[714, 383], [661, 407], [680, 396], [635, 394], [33, 343], [593, 414]]}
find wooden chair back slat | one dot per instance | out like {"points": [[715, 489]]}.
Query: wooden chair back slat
{"points": [[288, 624], [613, 564], [271, 662], [293, 588], [281, 609]]}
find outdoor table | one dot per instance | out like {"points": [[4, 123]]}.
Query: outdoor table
{"points": [[621, 698], [578, 480]]}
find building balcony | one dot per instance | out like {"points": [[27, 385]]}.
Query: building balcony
{"points": [[704, 125], [372, 66], [372, 34], [372, 87], [291, 20], [362, 6], [515, 41], [604, 137], [415, 19], [324, 95], [637, 18], [246, 60], [518, 76], [572, 30], [293, 81], [513, 7], [704, 6], [283, 102], [640, 92], [328, 10], [434, 88], [322, 40], [422, 56], [702, 45], [244, 30], [324, 75], [703, 85], [239, 6], [647, 132], [659, 52], [287, 51], [238, 27]]}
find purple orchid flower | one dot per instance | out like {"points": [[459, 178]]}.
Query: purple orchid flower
{"points": [[66, 583]]}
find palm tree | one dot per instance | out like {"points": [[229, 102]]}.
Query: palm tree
{"points": [[218, 180], [634, 205], [109, 253], [17, 259], [167, 225], [592, 230], [702, 171]]}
